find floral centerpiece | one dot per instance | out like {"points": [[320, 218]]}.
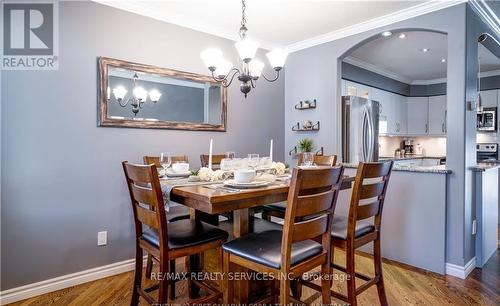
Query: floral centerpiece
{"points": [[209, 175], [278, 168]]}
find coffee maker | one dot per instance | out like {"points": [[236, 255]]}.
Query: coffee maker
{"points": [[407, 145]]}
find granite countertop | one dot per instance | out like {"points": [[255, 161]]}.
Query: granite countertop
{"points": [[410, 157], [481, 167], [441, 169]]}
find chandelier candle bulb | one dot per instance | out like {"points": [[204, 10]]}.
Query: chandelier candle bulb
{"points": [[119, 92]]}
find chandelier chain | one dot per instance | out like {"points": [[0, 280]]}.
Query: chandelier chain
{"points": [[243, 7]]}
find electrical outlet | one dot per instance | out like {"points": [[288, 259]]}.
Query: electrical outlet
{"points": [[102, 238], [474, 227]]}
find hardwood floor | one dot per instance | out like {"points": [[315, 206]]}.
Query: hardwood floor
{"points": [[404, 285]]}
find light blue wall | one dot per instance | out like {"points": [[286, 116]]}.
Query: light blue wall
{"points": [[62, 180], [315, 73]]}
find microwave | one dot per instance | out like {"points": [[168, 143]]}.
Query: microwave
{"points": [[487, 120]]}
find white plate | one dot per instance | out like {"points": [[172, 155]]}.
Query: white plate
{"points": [[171, 173], [253, 184]]}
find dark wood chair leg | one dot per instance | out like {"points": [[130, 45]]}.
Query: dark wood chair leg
{"points": [[284, 291], [351, 274], [172, 281], [296, 289], [137, 276], [326, 284], [227, 285], [266, 216], [377, 261], [149, 266], [164, 283]]}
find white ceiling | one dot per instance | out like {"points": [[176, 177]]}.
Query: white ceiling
{"points": [[286, 23], [403, 59]]}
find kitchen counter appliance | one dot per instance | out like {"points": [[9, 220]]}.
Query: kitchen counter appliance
{"points": [[359, 129], [486, 120], [487, 152]]}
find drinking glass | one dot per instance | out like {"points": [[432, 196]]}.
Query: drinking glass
{"points": [[230, 154], [165, 160], [226, 164], [253, 160], [307, 159]]}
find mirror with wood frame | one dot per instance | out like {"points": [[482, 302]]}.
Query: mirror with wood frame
{"points": [[141, 96]]}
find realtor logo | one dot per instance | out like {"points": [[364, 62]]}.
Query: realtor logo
{"points": [[30, 34]]}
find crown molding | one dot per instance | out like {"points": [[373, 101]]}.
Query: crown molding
{"points": [[138, 7], [487, 14], [418, 10], [428, 82], [370, 67]]}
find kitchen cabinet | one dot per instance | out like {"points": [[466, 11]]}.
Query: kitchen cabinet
{"points": [[437, 115], [386, 111], [400, 114], [418, 114], [489, 98], [359, 90]]}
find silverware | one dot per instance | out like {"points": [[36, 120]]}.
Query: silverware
{"points": [[221, 188]]}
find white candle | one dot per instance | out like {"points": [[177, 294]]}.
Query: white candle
{"points": [[271, 151], [210, 154]]}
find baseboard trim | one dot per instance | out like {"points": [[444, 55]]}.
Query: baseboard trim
{"points": [[461, 271], [65, 281]]}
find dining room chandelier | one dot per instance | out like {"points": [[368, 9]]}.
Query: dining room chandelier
{"points": [[138, 97], [250, 69]]}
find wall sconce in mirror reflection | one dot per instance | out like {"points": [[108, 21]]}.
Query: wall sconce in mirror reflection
{"points": [[137, 99]]}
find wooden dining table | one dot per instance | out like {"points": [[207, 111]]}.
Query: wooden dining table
{"points": [[207, 203]]}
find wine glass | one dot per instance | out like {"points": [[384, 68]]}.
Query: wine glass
{"points": [[165, 160], [307, 159], [230, 154], [253, 160]]}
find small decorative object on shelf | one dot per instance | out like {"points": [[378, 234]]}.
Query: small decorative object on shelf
{"points": [[293, 151], [306, 104], [320, 152], [306, 145], [306, 126]]}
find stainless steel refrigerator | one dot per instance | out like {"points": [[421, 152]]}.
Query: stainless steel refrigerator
{"points": [[359, 129]]}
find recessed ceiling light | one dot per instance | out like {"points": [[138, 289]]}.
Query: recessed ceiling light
{"points": [[425, 49], [386, 33], [402, 35], [443, 60]]}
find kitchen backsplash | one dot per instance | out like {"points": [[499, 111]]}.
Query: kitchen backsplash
{"points": [[487, 138], [432, 146]]}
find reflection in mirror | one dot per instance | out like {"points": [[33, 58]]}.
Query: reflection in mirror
{"points": [[488, 84], [135, 95]]}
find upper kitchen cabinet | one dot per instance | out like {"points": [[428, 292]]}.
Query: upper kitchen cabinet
{"points": [[489, 98], [418, 114], [437, 115], [400, 114], [386, 111], [358, 90]]}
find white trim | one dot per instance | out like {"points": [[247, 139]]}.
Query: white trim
{"points": [[418, 10], [461, 271], [485, 12], [370, 67], [231, 34], [429, 82], [490, 73], [65, 281]]}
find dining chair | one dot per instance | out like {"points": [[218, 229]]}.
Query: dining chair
{"points": [[300, 246], [164, 241], [216, 160], [148, 160], [174, 213], [278, 209], [353, 231], [319, 160]]}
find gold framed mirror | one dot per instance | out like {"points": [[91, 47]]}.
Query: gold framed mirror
{"points": [[134, 95]]}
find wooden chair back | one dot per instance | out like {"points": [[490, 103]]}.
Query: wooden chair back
{"points": [[216, 160], [320, 160], [147, 200], [148, 160], [368, 194], [312, 197]]}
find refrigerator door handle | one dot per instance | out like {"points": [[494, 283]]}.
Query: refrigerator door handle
{"points": [[370, 136], [364, 141]]}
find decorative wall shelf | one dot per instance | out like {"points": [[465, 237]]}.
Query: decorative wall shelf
{"points": [[306, 105], [295, 151], [298, 128]]}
